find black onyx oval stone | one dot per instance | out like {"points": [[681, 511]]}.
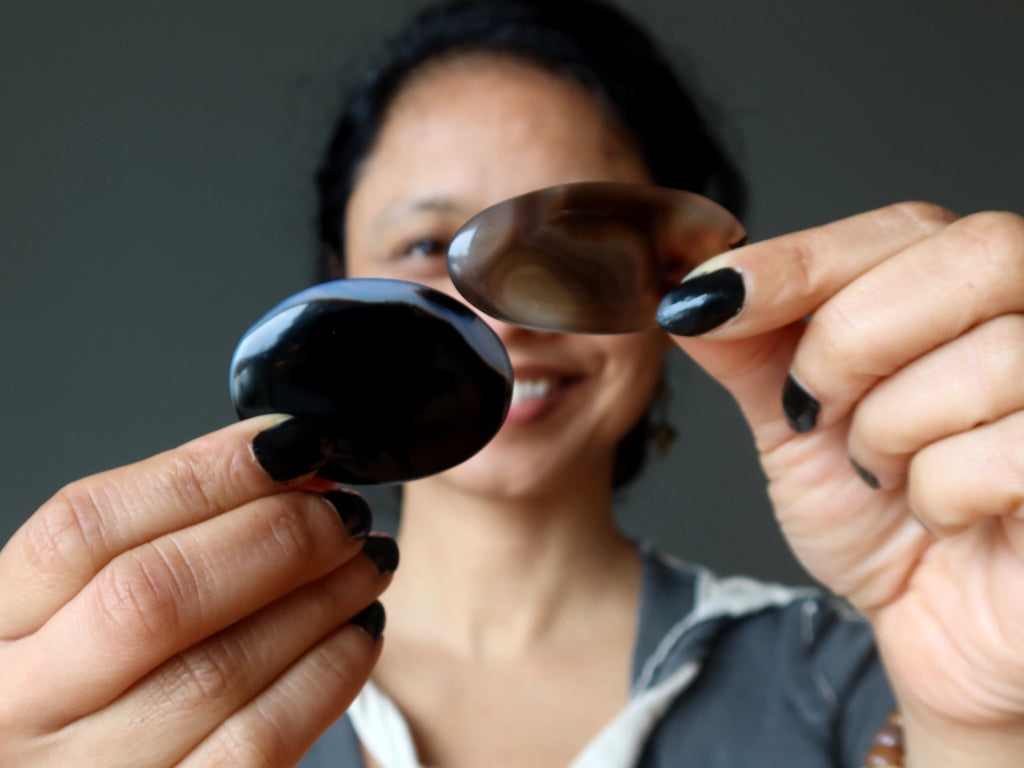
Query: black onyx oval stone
{"points": [[403, 380], [587, 257]]}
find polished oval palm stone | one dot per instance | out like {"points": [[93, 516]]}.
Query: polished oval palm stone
{"points": [[589, 257], [403, 381]]}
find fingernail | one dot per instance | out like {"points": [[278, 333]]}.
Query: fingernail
{"points": [[867, 477], [354, 511], [371, 620], [290, 449], [701, 303], [800, 406], [383, 552]]}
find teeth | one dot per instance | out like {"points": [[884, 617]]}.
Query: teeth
{"points": [[530, 389]]}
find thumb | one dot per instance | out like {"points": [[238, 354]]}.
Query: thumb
{"points": [[740, 315], [753, 370]]}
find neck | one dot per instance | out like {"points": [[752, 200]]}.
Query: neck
{"points": [[496, 578]]}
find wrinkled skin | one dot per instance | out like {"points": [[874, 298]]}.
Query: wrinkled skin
{"points": [[915, 351]]}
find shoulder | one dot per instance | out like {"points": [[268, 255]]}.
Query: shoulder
{"points": [[770, 664]]}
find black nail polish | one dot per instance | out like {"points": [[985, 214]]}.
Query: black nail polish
{"points": [[354, 511], [383, 551], [551, 231], [868, 477], [290, 449], [800, 406], [371, 620], [702, 303]]}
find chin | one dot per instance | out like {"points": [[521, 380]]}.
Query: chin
{"points": [[491, 477], [510, 469]]}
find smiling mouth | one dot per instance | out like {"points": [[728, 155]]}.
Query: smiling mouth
{"points": [[524, 391]]}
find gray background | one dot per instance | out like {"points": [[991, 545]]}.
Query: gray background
{"points": [[155, 200]]}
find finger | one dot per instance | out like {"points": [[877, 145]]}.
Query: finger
{"points": [[862, 543], [969, 477], [281, 724], [158, 599], [740, 315], [925, 296], [172, 710], [752, 370], [764, 286], [975, 379], [92, 521]]}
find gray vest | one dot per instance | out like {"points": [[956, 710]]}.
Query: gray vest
{"points": [[727, 673]]}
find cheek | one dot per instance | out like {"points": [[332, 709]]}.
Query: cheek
{"points": [[639, 353], [633, 368]]}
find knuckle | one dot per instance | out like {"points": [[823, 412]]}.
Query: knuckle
{"points": [[998, 236], [290, 531], [997, 358], [138, 598], [1008, 498], [202, 473], [872, 427], [208, 672], [67, 535], [193, 473], [928, 216], [925, 490], [978, 475], [227, 750], [839, 334], [805, 269], [341, 672], [264, 736]]}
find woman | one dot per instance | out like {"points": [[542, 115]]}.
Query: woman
{"points": [[139, 629]]}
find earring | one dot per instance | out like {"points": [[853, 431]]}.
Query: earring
{"points": [[660, 430]]}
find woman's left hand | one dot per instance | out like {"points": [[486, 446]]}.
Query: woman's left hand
{"points": [[890, 425]]}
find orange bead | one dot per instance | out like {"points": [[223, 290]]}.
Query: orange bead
{"points": [[883, 757], [890, 736]]}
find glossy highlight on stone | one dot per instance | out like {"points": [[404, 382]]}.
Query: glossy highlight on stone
{"points": [[588, 257], [406, 381]]}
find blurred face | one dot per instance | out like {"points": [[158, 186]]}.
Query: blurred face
{"points": [[463, 135]]}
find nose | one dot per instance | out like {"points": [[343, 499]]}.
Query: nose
{"points": [[512, 335], [508, 333]]}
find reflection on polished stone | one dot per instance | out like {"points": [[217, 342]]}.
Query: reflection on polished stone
{"points": [[590, 257], [405, 381]]}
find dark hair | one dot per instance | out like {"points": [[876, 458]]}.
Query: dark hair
{"points": [[585, 41]]}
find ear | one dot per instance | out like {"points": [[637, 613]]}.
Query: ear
{"points": [[333, 265]]}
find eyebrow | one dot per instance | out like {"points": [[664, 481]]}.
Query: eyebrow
{"points": [[405, 207]]}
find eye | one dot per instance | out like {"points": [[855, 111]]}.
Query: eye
{"points": [[424, 247], [420, 259]]}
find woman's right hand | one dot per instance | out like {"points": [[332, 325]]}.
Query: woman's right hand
{"points": [[189, 610]]}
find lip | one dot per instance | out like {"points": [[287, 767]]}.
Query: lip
{"points": [[536, 408]]}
